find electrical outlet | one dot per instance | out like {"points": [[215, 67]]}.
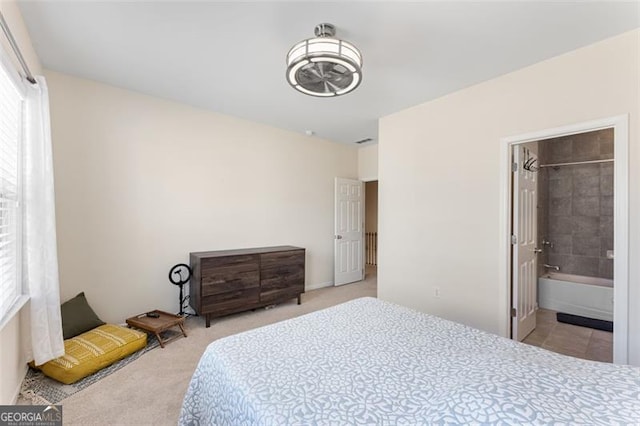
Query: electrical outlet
{"points": [[436, 292]]}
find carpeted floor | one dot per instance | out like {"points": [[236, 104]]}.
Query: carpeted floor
{"points": [[42, 390], [150, 389]]}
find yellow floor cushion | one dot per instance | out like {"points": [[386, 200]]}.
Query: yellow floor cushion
{"points": [[92, 351]]}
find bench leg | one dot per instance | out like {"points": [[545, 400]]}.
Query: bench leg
{"points": [[184, 333], [159, 340]]}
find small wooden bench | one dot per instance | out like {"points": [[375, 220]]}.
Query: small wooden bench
{"points": [[156, 326]]}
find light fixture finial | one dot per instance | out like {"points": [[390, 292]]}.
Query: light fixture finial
{"points": [[325, 30]]}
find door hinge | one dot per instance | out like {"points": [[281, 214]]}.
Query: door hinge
{"points": [[514, 167], [514, 239], [514, 313]]}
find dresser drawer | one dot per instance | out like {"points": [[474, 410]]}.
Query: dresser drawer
{"points": [[229, 279], [231, 301], [280, 283], [281, 277], [283, 258], [245, 261]]}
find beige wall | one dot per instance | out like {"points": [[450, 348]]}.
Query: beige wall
{"points": [[141, 182], [12, 363], [368, 163], [368, 172], [439, 162]]}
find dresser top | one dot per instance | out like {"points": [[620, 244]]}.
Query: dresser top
{"points": [[236, 252]]}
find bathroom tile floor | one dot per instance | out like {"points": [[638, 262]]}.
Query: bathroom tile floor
{"points": [[573, 340]]}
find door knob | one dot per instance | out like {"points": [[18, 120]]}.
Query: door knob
{"points": [[338, 237], [537, 250]]}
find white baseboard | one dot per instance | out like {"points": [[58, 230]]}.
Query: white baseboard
{"points": [[16, 394], [309, 287]]}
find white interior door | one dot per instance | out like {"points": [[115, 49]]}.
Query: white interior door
{"points": [[524, 284], [349, 232]]}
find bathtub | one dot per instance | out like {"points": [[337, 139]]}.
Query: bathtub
{"points": [[590, 297]]}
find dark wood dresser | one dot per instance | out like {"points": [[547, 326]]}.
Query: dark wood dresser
{"points": [[230, 281]]}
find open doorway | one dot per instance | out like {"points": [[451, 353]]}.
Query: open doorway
{"points": [[569, 180], [356, 232], [371, 228], [567, 226]]}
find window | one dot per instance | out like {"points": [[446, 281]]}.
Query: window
{"points": [[11, 131]]}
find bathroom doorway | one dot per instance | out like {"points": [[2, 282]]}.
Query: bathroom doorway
{"points": [[563, 262], [574, 244]]}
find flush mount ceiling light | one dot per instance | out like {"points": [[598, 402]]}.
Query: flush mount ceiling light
{"points": [[324, 65]]}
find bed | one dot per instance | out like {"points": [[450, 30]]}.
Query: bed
{"points": [[372, 362]]}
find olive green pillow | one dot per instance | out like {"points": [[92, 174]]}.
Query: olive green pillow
{"points": [[78, 317]]}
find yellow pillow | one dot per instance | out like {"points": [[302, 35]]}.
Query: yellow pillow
{"points": [[92, 351]]}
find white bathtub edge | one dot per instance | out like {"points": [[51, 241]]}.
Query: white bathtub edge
{"points": [[576, 299], [582, 311]]}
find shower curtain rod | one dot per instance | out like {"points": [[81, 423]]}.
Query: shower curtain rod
{"points": [[577, 163], [16, 50]]}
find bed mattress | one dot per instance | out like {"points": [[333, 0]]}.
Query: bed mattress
{"points": [[372, 362]]}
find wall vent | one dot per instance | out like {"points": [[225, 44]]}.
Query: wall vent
{"points": [[364, 140]]}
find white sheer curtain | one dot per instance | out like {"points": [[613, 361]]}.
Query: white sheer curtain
{"points": [[40, 256]]}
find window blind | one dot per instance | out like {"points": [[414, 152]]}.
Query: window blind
{"points": [[11, 129]]}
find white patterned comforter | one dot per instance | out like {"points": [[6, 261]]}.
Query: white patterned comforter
{"points": [[372, 362]]}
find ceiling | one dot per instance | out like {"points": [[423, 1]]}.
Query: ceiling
{"points": [[229, 57]]}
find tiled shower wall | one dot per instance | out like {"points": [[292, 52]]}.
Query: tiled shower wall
{"points": [[575, 205]]}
